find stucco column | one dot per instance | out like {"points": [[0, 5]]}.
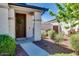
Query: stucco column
{"points": [[29, 25], [11, 19], [37, 26], [4, 29]]}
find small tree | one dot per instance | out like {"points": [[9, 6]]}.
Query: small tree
{"points": [[67, 13]]}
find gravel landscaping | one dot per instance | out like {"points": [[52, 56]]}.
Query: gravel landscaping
{"points": [[20, 51], [52, 48]]}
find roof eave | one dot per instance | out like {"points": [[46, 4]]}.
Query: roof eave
{"points": [[29, 6]]}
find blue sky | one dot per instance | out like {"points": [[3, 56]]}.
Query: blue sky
{"points": [[46, 16]]}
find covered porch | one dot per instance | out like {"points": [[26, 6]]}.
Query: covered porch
{"points": [[27, 28], [24, 23]]}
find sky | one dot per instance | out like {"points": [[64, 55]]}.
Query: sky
{"points": [[46, 16]]}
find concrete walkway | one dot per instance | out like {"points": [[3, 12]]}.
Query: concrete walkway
{"points": [[33, 50]]}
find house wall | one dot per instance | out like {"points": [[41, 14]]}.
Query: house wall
{"points": [[61, 27], [4, 28], [50, 25], [29, 25], [29, 22], [11, 19], [46, 26], [7, 22], [37, 34]]}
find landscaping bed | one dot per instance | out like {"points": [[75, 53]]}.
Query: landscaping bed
{"points": [[20, 51], [53, 48]]}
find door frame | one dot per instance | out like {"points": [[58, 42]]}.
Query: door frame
{"points": [[25, 30]]}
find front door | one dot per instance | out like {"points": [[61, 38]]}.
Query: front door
{"points": [[20, 25], [55, 28]]}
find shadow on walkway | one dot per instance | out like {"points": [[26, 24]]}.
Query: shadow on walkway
{"points": [[52, 48]]}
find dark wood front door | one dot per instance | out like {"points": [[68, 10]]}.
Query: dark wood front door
{"points": [[20, 25], [55, 28]]}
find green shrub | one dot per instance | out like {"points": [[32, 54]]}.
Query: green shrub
{"points": [[74, 41], [44, 34], [48, 30], [59, 38], [51, 34], [7, 45]]}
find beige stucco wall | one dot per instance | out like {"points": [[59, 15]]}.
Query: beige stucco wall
{"points": [[11, 19], [4, 29], [29, 25], [37, 36], [46, 26]]}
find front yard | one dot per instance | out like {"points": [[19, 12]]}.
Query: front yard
{"points": [[51, 47], [55, 49]]}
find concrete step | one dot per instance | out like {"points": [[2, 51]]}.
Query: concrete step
{"points": [[33, 50]]}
